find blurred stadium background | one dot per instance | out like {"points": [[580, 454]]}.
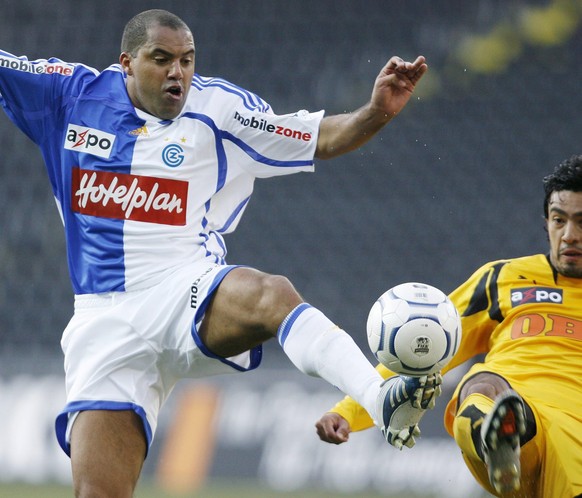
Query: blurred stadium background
{"points": [[454, 182]]}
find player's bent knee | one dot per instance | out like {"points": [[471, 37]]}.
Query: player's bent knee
{"points": [[256, 301], [269, 299], [281, 288], [486, 383], [279, 296]]}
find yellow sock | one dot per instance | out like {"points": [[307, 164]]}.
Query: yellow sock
{"points": [[467, 424]]}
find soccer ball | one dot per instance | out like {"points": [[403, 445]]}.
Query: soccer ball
{"points": [[413, 329]]}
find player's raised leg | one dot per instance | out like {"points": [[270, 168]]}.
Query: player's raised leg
{"points": [[500, 437], [250, 307]]}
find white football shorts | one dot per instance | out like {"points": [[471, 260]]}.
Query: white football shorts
{"points": [[127, 350]]}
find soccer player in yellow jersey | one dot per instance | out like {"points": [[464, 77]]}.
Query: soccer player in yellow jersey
{"points": [[517, 415]]}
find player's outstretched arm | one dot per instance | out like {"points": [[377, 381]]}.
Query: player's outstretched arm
{"points": [[401, 406], [393, 88]]}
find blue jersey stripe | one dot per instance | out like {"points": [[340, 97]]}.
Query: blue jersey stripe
{"points": [[220, 152], [263, 159], [250, 100], [96, 245]]}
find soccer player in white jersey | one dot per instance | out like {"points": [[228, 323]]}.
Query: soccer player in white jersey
{"points": [[150, 165]]}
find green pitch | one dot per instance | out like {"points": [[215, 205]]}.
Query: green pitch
{"points": [[217, 490]]}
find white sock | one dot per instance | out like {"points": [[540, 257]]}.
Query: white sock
{"points": [[319, 348]]}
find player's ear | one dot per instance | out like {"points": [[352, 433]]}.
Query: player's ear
{"points": [[125, 59]]}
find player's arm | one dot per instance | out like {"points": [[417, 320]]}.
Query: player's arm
{"points": [[31, 91], [404, 411], [392, 90], [345, 417]]}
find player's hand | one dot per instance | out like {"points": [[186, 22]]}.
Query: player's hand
{"points": [[333, 428], [395, 83]]}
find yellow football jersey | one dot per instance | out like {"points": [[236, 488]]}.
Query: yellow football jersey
{"points": [[526, 319]]}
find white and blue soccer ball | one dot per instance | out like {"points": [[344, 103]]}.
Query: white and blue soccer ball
{"points": [[414, 329]]}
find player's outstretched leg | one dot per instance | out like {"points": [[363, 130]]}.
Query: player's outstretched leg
{"points": [[401, 403], [500, 435]]}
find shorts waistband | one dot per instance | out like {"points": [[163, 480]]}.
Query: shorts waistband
{"points": [[85, 301]]}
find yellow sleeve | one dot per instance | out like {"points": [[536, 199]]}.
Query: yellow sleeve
{"points": [[357, 417], [477, 301]]}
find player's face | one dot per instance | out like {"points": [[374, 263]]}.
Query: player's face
{"points": [[565, 232], [160, 74]]}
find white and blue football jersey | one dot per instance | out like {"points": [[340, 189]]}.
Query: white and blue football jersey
{"points": [[140, 197]]}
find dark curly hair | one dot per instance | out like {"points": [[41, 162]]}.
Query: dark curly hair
{"points": [[135, 33], [566, 176]]}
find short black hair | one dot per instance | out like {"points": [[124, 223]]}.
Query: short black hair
{"points": [[135, 34], [566, 176]]}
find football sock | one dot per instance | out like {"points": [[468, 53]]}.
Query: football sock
{"points": [[467, 424], [319, 348]]}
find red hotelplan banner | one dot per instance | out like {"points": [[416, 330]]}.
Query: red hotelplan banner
{"points": [[129, 197]]}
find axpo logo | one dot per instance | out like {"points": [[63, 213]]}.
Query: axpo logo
{"points": [[89, 140], [528, 295]]}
